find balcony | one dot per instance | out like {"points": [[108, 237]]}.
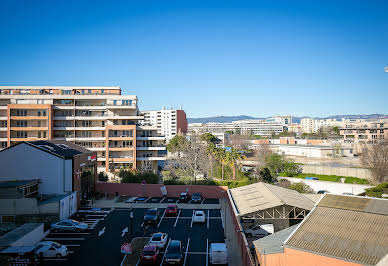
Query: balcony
{"points": [[14, 117], [120, 148], [15, 128], [156, 158], [150, 138], [151, 148], [79, 128]]}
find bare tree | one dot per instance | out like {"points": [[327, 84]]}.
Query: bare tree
{"points": [[238, 141], [261, 152], [146, 166], [375, 157], [194, 159]]}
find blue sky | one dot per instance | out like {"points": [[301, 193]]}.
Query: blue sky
{"points": [[257, 58]]}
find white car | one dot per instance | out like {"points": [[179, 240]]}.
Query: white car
{"points": [[49, 249], [259, 230], [199, 217], [159, 240], [218, 253]]}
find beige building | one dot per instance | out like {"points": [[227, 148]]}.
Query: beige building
{"points": [[364, 131], [307, 125], [97, 118]]}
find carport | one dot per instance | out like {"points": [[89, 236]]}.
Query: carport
{"points": [[262, 203]]}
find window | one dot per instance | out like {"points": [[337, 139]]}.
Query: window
{"points": [[102, 91], [114, 102], [82, 91], [21, 134], [66, 92], [89, 91], [21, 123], [21, 112]]}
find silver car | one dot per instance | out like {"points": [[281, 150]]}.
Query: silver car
{"points": [[68, 225]]}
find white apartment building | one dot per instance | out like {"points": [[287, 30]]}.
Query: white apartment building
{"points": [[255, 127], [283, 120], [307, 125], [97, 118], [169, 122]]}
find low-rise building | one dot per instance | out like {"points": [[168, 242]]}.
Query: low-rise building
{"points": [[340, 230]]}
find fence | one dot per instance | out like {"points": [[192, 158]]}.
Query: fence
{"points": [[340, 171], [242, 241], [153, 190]]}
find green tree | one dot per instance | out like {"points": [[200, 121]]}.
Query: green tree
{"points": [[208, 137], [211, 150], [177, 144], [291, 168], [336, 130], [222, 158], [103, 177], [232, 157], [265, 174], [301, 187], [275, 163]]}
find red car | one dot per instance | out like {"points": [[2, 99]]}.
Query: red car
{"points": [[149, 255], [172, 210]]}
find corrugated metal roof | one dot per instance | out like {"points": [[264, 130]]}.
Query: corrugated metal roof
{"points": [[339, 227], [262, 196], [273, 243], [370, 205]]}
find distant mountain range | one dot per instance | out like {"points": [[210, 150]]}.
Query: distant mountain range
{"points": [[295, 119]]}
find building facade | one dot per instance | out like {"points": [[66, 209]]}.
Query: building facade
{"points": [[169, 122], [97, 118], [364, 131]]}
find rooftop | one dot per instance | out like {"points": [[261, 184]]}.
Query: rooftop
{"points": [[64, 149], [10, 237], [273, 243], [262, 196], [345, 227]]}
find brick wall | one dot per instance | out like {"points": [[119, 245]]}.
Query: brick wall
{"points": [[153, 190]]}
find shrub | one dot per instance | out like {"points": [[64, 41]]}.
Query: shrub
{"points": [[265, 174], [102, 176], [377, 191], [129, 176], [301, 187]]}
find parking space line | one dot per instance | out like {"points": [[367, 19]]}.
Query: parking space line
{"points": [[187, 249], [202, 200], [138, 261], [72, 245], [162, 217], [196, 253], [189, 202], [122, 262], [55, 238], [177, 218], [164, 254], [207, 249], [75, 233], [177, 200], [55, 259], [147, 199], [142, 224], [192, 218], [162, 199], [70, 251], [208, 219]]}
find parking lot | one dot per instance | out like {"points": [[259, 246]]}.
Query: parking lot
{"points": [[110, 227]]}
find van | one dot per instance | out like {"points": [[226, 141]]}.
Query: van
{"points": [[218, 253]]}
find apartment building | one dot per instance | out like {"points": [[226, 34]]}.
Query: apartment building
{"points": [[283, 120], [255, 127], [169, 122], [307, 125], [364, 130], [97, 118]]}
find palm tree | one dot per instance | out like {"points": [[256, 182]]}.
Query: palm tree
{"points": [[222, 158], [233, 156], [212, 152]]}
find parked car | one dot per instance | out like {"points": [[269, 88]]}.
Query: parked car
{"points": [[151, 216], [79, 216], [69, 225], [149, 255], [184, 197], [348, 193], [196, 197], [311, 178], [172, 210], [49, 249], [174, 252], [259, 230], [199, 217], [218, 253], [159, 240], [322, 192]]}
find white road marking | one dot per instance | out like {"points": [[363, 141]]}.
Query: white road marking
{"points": [[55, 238], [179, 213], [138, 261], [162, 217], [122, 262], [147, 199], [208, 219], [187, 249], [192, 218], [202, 200], [102, 231], [75, 233], [189, 202], [73, 245], [162, 199], [177, 200], [164, 254], [196, 253], [142, 224], [207, 250], [70, 252], [124, 231]]}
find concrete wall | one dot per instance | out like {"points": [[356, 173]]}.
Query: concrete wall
{"points": [[23, 162], [332, 187], [340, 171], [153, 190], [27, 206], [68, 206], [32, 238]]}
